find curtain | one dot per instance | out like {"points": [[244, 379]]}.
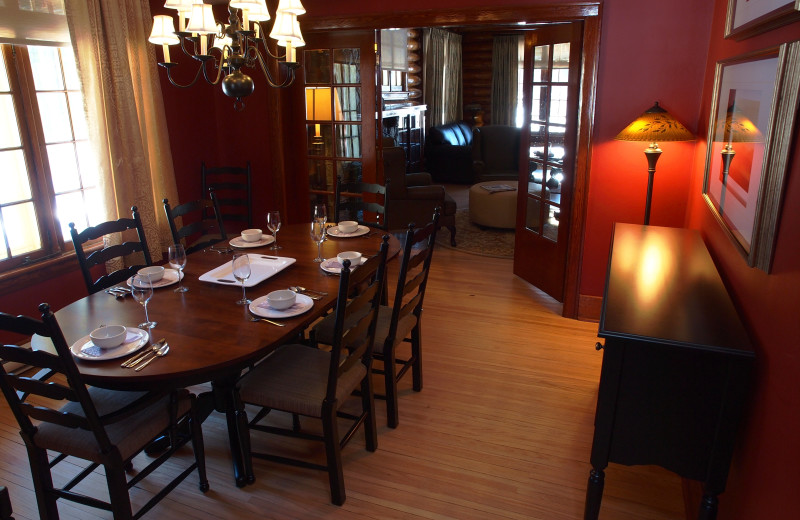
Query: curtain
{"points": [[125, 110], [442, 76], [505, 68]]}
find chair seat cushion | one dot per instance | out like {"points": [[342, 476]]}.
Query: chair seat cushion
{"points": [[293, 379], [130, 435], [323, 331]]}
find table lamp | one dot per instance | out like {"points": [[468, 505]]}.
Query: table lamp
{"points": [[656, 124], [735, 128]]}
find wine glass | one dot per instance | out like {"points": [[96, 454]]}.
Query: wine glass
{"points": [[274, 224], [142, 291], [177, 260], [320, 213], [241, 271], [318, 236]]}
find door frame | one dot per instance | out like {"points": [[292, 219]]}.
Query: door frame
{"points": [[590, 13]]}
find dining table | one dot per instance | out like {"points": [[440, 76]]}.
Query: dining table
{"points": [[211, 338]]}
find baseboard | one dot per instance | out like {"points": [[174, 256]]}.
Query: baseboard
{"points": [[589, 307]]}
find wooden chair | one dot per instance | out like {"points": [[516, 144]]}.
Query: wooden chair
{"points": [[117, 251], [400, 323], [205, 228], [305, 381], [232, 184], [57, 412], [350, 204]]}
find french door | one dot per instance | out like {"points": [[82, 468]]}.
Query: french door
{"points": [[339, 81], [551, 84]]}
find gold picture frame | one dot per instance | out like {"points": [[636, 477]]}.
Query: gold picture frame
{"points": [[752, 118], [746, 18]]}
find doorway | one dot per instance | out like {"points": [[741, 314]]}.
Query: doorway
{"points": [[496, 17]]}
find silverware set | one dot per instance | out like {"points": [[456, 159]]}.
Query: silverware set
{"points": [[220, 250], [314, 295], [145, 357], [119, 292]]}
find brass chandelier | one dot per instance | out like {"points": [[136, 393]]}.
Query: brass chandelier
{"points": [[229, 48]]}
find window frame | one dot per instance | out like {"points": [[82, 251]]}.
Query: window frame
{"points": [[34, 149]]}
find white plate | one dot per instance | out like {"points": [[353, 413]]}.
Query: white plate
{"points": [[261, 268], [170, 277], [242, 243], [260, 307], [334, 232], [86, 350], [333, 266]]}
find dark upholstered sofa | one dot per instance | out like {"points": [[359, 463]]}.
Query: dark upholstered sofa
{"points": [[448, 153], [495, 153]]}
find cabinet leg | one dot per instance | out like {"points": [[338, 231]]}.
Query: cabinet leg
{"points": [[708, 507], [594, 494]]}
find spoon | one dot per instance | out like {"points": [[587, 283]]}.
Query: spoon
{"points": [[137, 358], [255, 318], [161, 352], [297, 288]]}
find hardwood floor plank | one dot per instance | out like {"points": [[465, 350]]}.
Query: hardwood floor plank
{"points": [[501, 430]]}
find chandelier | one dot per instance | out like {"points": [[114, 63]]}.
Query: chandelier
{"points": [[223, 50]]}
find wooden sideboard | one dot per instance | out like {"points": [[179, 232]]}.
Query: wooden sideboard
{"points": [[677, 363]]}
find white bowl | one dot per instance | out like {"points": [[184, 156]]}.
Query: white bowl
{"points": [[108, 336], [282, 299], [154, 272], [251, 235], [348, 226], [353, 256]]}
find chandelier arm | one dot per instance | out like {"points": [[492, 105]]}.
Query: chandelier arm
{"points": [[266, 48], [193, 82], [285, 83], [219, 67], [183, 39]]}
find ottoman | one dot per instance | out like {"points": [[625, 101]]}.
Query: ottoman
{"points": [[497, 209]]}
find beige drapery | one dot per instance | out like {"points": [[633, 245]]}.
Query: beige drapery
{"points": [[442, 76], [127, 123], [505, 68]]}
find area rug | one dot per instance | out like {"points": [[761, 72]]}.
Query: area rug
{"points": [[478, 240]]}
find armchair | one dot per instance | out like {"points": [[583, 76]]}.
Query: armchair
{"points": [[412, 198], [495, 153]]}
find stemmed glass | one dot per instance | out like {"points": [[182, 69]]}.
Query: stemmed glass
{"points": [[142, 291], [318, 231], [177, 260], [241, 271], [318, 236], [274, 224]]}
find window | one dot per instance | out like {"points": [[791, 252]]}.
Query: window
{"points": [[49, 177]]}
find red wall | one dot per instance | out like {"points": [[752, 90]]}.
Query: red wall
{"points": [[650, 51], [763, 483]]}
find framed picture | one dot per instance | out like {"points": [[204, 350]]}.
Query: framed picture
{"points": [[747, 18], [753, 113]]}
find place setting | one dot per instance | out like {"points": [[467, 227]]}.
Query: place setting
{"points": [[110, 342], [283, 303], [336, 264], [250, 238], [159, 276], [347, 229]]}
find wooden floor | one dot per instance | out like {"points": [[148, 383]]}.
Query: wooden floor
{"points": [[501, 430]]}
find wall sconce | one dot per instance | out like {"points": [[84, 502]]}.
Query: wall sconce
{"points": [[656, 124], [736, 128]]}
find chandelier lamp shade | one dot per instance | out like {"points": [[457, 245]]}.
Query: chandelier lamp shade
{"points": [[654, 125], [223, 50]]}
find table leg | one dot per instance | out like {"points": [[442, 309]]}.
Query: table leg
{"points": [[227, 401], [594, 494]]}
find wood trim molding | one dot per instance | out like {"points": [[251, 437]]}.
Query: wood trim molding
{"points": [[456, 16]]}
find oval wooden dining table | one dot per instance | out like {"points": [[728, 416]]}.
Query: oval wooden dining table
{"points": [[211, 338]]}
